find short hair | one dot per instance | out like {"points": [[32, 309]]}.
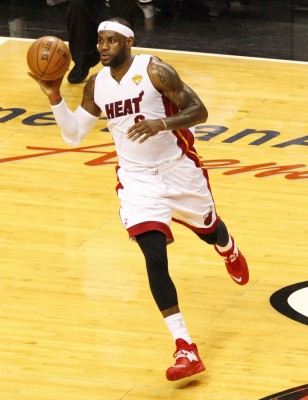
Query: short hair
{"points": [[121, 21]]}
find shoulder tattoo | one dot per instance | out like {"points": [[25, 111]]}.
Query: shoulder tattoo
{"points": [[168, 77]]}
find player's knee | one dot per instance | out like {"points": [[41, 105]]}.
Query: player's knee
{"points": [[219, 236], [209, 238]]}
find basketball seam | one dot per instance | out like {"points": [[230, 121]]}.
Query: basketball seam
{"points": [[48, 66], [50, 57]]}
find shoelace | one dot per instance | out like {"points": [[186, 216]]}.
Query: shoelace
{"points": [[231, 258], [178, 351]]}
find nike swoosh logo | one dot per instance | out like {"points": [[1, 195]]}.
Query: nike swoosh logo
{"points": [[235, 278]]}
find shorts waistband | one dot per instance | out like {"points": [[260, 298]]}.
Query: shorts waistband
{"points": [[162, 168], [150, 170]]}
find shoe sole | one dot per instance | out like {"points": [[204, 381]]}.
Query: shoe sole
{"points": [[196, 370]]}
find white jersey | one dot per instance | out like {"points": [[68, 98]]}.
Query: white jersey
{"points": [[160, 179], [132, 99]]}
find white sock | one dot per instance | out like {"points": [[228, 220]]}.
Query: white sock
{"points": [[227, 247], [177, 327]]}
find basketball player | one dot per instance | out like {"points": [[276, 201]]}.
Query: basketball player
{"points": [[151, 113]]}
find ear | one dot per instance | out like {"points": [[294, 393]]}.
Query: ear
{"points": [[129, 42]]}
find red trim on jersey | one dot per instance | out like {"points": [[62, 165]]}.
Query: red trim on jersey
{"points": [[198, 230], [150, 226], [185, 139]]}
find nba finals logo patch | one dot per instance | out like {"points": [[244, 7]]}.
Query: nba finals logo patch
{"points": [[137, 79], [298, 393]]}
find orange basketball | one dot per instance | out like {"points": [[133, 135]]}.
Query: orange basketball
{"points": [[48, 58]]}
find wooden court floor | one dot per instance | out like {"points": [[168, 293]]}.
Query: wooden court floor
{"points": [[77, 321]]}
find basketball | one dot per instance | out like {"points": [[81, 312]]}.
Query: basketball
{"points": [[48, 58]]}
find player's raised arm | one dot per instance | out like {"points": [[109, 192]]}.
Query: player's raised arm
{"points": [[74, 126]]}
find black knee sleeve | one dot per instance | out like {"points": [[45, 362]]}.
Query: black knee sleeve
{"points": [[219, 236], [153, 246]]}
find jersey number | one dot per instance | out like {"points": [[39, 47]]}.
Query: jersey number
{"points": [[139, 118]]}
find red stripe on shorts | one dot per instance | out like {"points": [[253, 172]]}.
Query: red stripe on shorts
{"points": [[150, 226]]}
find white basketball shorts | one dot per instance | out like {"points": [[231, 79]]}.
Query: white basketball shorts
{"points": [[152, 198]]}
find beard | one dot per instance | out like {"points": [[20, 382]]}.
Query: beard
{"points": [[117, 61]]}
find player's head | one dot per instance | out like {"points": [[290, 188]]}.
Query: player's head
{"points": [[115, 39]]}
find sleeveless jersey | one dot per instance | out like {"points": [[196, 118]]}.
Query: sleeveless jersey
{"points": [[134, 98]]}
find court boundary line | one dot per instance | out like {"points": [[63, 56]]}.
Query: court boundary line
{"points": [[4, 39]]}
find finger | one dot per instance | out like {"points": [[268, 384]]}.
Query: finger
{"points": [[145, 137], [134, 134], [131, 135], [32, 76], [59, 80], [133, 128]]}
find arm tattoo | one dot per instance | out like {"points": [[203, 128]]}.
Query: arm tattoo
{"points": [[88, 97], [169, 78], [89, 87], [168, 82], [173, 86]]}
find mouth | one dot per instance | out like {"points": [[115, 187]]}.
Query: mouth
{"points": [[105, 57]]}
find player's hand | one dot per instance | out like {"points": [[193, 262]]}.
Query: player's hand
{"points": [[145, 129], [50, 88]]}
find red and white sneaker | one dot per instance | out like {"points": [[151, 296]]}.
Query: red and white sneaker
{"points": [[187, 361], [236, 265]]}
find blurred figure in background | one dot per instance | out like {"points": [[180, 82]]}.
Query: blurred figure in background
{"points": [[55, 2], [83, 18], [218, 7], [16, 18]]}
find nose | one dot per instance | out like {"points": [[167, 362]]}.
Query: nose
{"points": [[103, 45]]}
